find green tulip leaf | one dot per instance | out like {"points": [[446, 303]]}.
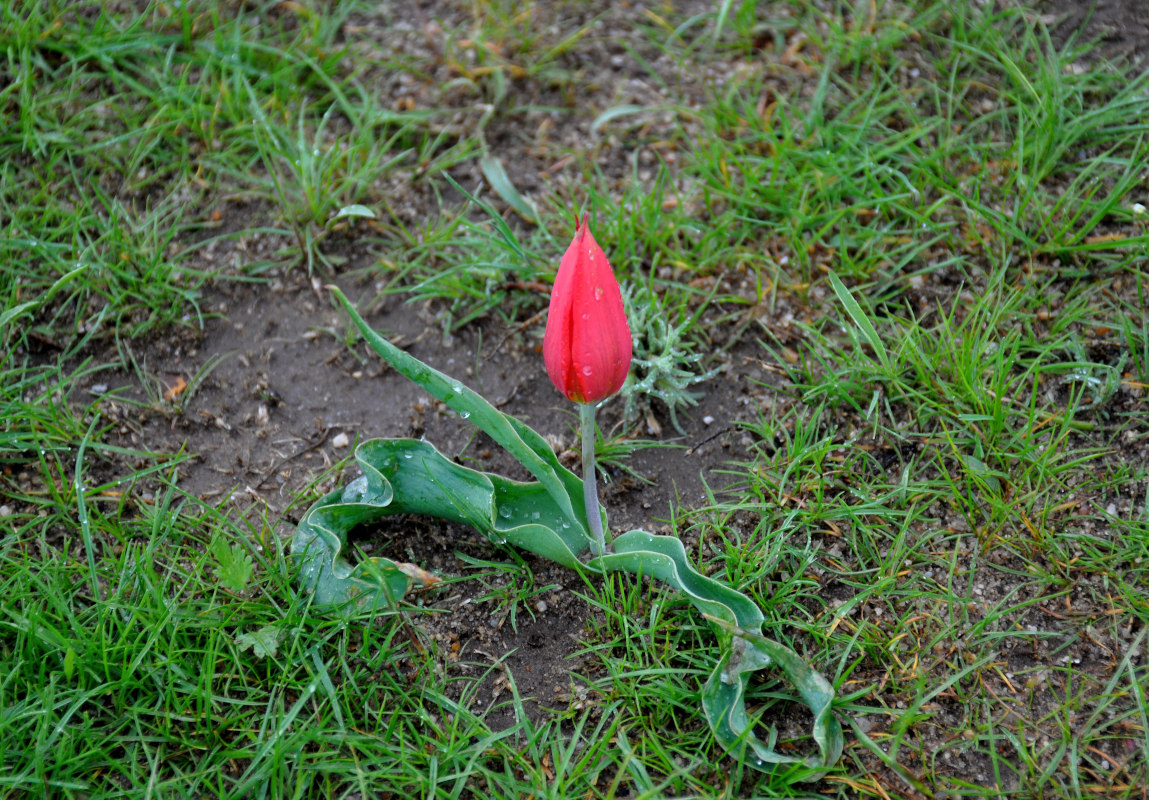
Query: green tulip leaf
{"points": [[544, 517], [738, 621], [407, 476], [528, 447]]}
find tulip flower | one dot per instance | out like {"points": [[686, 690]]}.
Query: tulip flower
{"points": [[586, 346]]}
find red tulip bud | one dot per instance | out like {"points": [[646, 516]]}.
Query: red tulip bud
{"points": [[586, 346]]}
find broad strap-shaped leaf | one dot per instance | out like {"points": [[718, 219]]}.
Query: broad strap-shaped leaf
{"points": [[738, 622], [406, 476], [529, 448]]}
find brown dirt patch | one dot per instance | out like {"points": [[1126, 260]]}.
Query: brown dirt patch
{"points": [[1121, 27]]}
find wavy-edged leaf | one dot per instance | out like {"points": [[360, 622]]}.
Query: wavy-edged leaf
{"points": [[407, 476], [529, 448], [738, 621]]}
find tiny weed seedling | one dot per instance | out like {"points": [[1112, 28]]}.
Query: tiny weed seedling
{"points": [[233, 567], [666, 359]]}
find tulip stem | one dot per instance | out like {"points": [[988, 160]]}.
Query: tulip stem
{"points": [[589, 489]]}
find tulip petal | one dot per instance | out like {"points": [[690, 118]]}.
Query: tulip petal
{"points": [[587, 345]]}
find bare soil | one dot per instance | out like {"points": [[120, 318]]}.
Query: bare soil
{"points": [[1120, 27]]}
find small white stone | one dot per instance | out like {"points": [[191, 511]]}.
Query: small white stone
{"points": [[5, 511], [1138, 208], [708, 420], [541, 606], [340, 441]]}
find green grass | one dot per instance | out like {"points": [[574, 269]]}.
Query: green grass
{"points": [[919, 216]]}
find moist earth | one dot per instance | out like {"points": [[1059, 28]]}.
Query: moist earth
{"points": [[1119, 27]]}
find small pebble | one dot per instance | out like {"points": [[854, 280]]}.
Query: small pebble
{"points": [[1138, 208], [541, 606], [5, 511], [708, 420], [340, 441]]}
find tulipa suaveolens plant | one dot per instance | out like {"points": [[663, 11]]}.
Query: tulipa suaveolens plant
{"points": [[551, 517], [587, 348]]}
